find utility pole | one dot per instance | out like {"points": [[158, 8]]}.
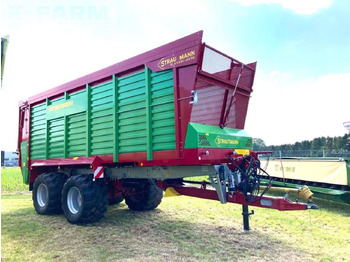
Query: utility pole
{"points": [[4, 44]]}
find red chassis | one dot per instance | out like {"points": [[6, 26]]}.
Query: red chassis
{"points": [[278, 203], [117, 189]]}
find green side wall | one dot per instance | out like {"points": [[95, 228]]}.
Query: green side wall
{"points": [[24, 164], [134, 113]]}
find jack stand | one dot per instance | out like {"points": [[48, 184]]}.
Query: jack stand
{"points": [[246, 215]]}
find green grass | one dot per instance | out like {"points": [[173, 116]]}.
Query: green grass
{"points": [[11, 180], [181, 228]]}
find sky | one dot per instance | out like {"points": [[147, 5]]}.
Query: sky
{"points": [[302, 83]]}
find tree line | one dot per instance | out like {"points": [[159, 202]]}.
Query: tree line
{"points": [[318, 147]]}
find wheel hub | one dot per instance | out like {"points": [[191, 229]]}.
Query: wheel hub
{"points": [[42, 195], [74, 200]]}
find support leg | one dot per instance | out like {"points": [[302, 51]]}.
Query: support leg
{"points": [[246, 215]]}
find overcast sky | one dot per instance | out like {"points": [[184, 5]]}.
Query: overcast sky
{"points": [[302, 84]]}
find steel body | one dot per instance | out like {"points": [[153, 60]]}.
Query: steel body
{"points": [[163, 107]]}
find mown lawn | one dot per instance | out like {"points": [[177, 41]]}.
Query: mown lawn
{"points": [[180, 229]]}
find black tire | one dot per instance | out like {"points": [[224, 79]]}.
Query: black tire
{"points": [[47, 191], [84, 200], [146, 197]]}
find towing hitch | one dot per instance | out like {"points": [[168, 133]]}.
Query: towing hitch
{"points": [[240, 185]]}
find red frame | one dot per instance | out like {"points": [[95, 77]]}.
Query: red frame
{"points": [[278, 203]]}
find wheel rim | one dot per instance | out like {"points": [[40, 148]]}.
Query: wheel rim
{"points": [[74, 200], [42, 195]]}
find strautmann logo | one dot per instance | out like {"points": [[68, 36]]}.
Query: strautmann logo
{"points": [[222, 141]]}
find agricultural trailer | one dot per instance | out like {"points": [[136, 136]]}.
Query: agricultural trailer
{"points": [[141, 127]]}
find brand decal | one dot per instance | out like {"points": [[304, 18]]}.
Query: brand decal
{"points": [[221, 141], [286, 168], [61, 106], [74, 104], [175, 60]]}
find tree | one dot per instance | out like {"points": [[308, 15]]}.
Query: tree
{"points": [[258, 144], [313, 147]]}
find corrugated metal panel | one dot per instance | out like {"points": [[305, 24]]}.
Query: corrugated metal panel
{"points": [[55, 137], [76, 135], [131, 96], [61, 131], [163, 119], [102, 119], [38, 131]]}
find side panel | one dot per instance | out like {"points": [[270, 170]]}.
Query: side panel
{"points": [[162, 111], [24, 163], [146, 112], [55, 137], [101, 119], [76, 131], [58, 126], [133, 113], [38, 132]]}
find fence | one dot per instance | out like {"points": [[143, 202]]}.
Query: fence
{"points": [[312, 153]]}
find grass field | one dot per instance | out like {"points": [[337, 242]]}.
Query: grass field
{"points": [[180, 229], [11, 180]]}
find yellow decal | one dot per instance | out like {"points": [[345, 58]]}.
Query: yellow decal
{"points": [[220, 141], [75, 158], [244, 152], [61, 106], [187, 55], [175, 60], [163, 62]]}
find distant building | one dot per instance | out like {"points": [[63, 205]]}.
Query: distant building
{"points": [[9, 159]]}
